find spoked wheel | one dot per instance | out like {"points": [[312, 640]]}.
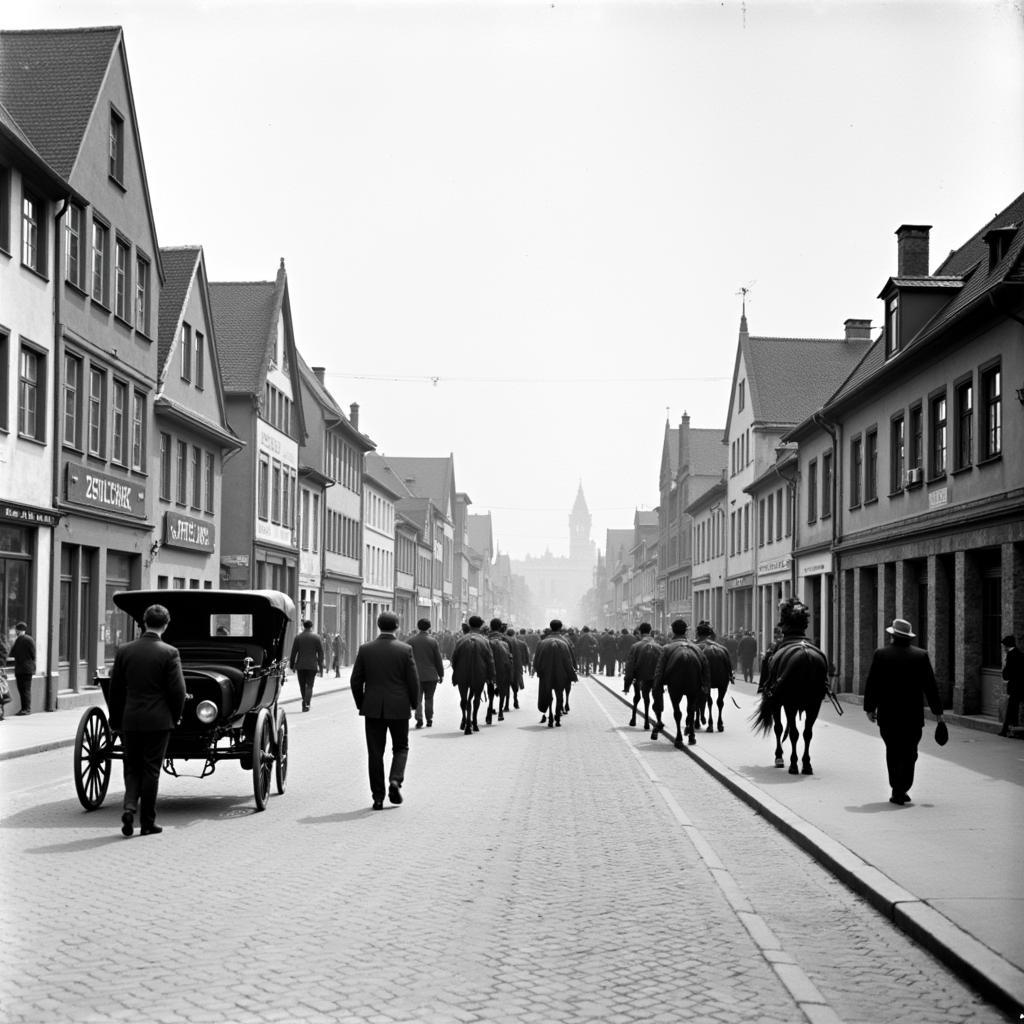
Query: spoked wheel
{"points": [[281, 763], [92, 758], [262, 758]]}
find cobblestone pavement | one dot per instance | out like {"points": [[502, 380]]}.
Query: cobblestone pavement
{"points": [[532, 875]]}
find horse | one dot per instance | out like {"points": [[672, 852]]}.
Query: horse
{"points": [[720, 666], [682, 670], [470, 695], [797, 681]]}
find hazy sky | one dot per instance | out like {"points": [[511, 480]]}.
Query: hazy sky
{"points": [[550, 207]]}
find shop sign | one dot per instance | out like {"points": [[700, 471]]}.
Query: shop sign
{"points": [[938, 498], [746, 580], [234, 560], [12, 512], [820, 565], [775, 565], [186, 532], [107, 493]]}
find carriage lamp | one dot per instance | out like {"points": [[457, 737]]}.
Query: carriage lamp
{"points": [[206, 711]]}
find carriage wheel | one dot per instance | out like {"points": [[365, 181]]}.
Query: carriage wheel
{"points": [[92, 758], [262, 758], [281, 763]]}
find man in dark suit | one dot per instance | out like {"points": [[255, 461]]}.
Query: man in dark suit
{"points": [[146, 698], [555, 666], [1013, 673], [23, 651], [900, 681], [307, 660], [429, 667], [386, 690]]}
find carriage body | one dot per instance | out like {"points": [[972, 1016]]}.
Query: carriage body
{"points": [[231, 644]]}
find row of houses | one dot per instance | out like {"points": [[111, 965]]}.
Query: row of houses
{"points": [[159, 430], [873, 475]]}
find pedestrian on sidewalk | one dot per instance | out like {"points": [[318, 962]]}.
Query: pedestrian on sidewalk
{"points": [[23, 651], [429, 667], [1013, 673], [146, 697], [746, 651], [307, 660], [5, 693], [386, 690], [900, 681], [336, 654]]}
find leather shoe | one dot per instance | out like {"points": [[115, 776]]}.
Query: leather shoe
{"points": [[151, 830], [419, 725], [127, 823], [378, 805], [394, 793], [430, 722]]}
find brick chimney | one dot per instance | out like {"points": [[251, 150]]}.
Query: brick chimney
{"points": [[912, 250], [684, 440], [318, 372], [353, 414], [857, 330]]}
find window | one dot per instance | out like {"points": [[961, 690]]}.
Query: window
{"points": [[871, 465], [122, 260], [778, 514], [142, 294], [263, 488], [209, 482], [33, 233], [856, 468], [5, 356], [181, 494], [74, 259], [139, 431], [760, 522], [992, 411], [746, 527], [100, 255], [165, 466], [938, 435], [275, 493], [916, 438], [31, 393], [72, 400], [897, 453], [118, 433], [892, 326], [5, 209], [116, 149], [742, 394], [197, 477], [964, 397], [198, 362], [97, 410], [305, 519], [186, 352], [826, 484], [812, 491]]}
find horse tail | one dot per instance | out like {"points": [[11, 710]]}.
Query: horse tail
{"points": [[763, 719]]}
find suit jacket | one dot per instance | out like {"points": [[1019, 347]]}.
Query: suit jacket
{"points": [[427, 653], [307, 653], [147, 688], [23, 651], [384, 679], [899, 682], [1013, 672], [553, 661]]}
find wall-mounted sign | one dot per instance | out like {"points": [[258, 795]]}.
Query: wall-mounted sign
{"points": [[234, 560], [107, 493], [186, 532], [775, 565], [12, 512], [938, 498]]}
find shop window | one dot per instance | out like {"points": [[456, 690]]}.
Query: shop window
{"points": [[118, 626], [16, 551]]}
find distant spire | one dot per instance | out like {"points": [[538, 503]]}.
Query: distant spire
{"points": [[743, 315], [580, 505]]}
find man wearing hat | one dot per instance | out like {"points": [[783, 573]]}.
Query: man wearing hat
{"points": [[900, 681]]}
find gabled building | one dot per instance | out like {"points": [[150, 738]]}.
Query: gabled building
{"points": [[462, 558], [381, 491], [708, 516], [643, 568], [480, 536], [776, 383], [192, 438], [70, 94], [260, 367], [406, 539], [926, 514]]}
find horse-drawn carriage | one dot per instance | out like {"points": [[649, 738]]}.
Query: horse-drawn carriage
{"points": [[232, 656]]}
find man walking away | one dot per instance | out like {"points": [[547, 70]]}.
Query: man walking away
{"points": [[746, 650], [307, 660], [430, 668], [1013, 673], [146, 699], [23, 651], [899, 681], [556, 671], [386, 690]]}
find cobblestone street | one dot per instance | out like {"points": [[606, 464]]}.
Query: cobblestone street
{"points": [[572, 874]]}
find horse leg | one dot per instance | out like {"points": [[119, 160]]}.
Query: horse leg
{"points": [[677, 714], [502, 701], [658, 705], [636, 701], [691, 714], [721, 705], [810, 718], [476, 709], [793, 728], [559, 707], [777, 722], [647, 705]]}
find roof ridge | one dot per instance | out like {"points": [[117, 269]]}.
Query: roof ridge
{"points": [[271, 283], [68, 29], [781, 337], [180, 248]]}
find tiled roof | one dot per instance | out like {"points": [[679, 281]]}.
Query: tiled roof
{"points": [[378, 469], [244, 315], [617, 542], [671, 443], [427, 477], [49, 81], [481, 532], [975, 249], [789, 378], [179, 269], [708, 456], [927, 282]]}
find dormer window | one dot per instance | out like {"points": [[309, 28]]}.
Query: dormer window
{"points": [[116, 154], [998, 241], [892, 326]]}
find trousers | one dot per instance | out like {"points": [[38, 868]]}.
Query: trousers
{"points": [[377, 730], [425, 708], [143, 758], [901, 744], [306, 679]]}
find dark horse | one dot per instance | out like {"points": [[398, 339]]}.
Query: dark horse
{"points": [[797, 681], [683, 671], [720, 665], [470, 695]]}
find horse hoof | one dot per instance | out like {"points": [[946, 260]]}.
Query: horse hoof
{"points": [[551, 724], [654, 734], [679, 744], [710, 728], [807, 770], [501, 717], [468, 730], [793, 770], [721, 728], [558, 723], [693, 740], [779, 763], [543, 719], [632, 721], [476, 728]]}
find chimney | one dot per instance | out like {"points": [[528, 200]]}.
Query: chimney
{"points": [[684, 440], [353, 414], [912, 249], [857, 330], [318, 372]]}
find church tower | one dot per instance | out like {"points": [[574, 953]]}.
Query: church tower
{"points": [[580, 547]]}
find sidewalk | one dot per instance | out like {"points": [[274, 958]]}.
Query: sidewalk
{"points": [[50, 730], [945, 868]]}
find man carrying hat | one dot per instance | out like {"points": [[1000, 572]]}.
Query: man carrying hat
{"points": [[900, 681]]}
